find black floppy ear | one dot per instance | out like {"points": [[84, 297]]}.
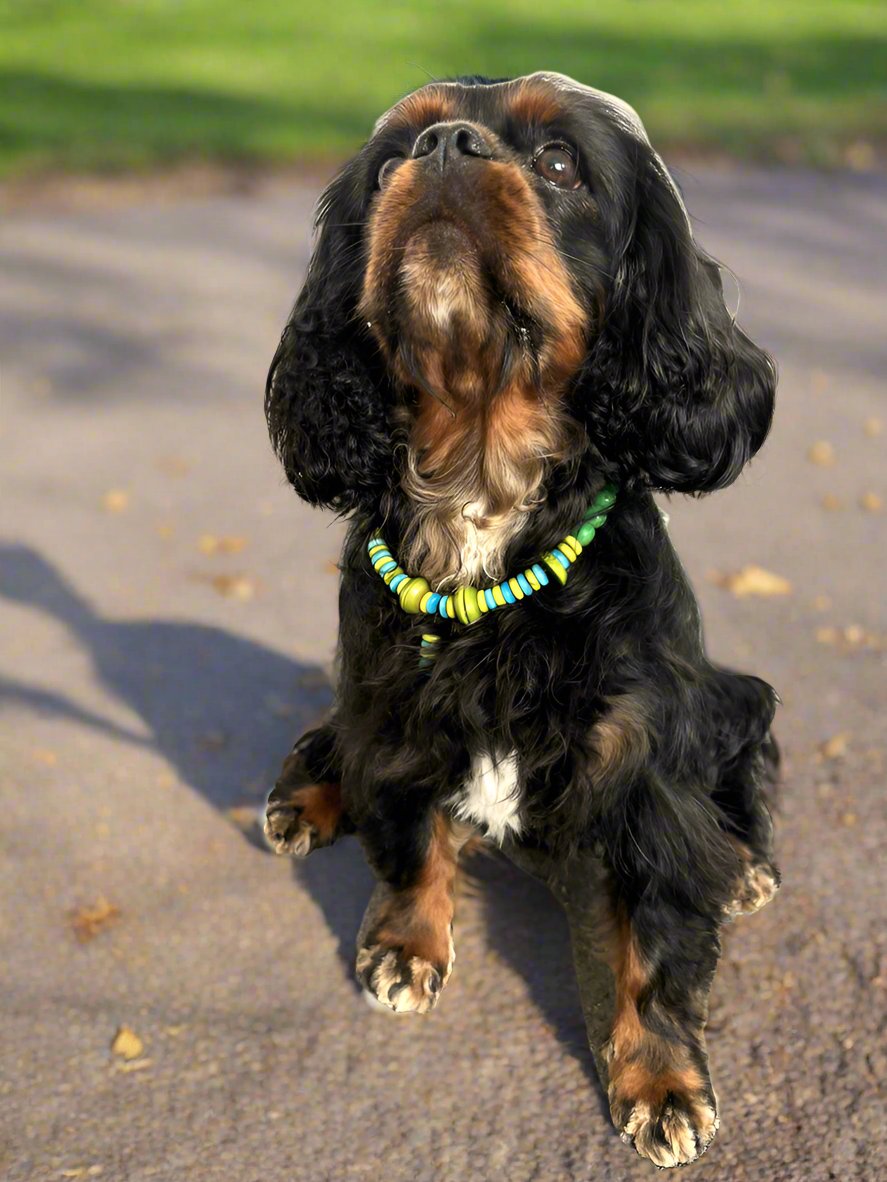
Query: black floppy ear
{"points": [[326, 396], [676, 393]]}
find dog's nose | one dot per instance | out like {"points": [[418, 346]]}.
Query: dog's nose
{"points": [[451, 141]]}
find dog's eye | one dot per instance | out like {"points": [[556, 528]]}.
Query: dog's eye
{"points": [[557, 165], [387, 171]]}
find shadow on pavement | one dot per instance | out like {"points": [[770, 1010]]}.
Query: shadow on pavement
{"points": [[223, 711]]}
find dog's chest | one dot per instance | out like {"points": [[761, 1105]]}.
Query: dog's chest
{"points": [[490, 797]]}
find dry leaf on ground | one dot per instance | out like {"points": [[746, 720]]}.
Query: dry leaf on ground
{"points": [[45, 756], [871, 502], [127, 1044], [831, 503], [752, 580], [244, 817], [821, 453], [234, 586], [87, 922], [873, 427], [224, 544], [115, 500], [836, 746]]}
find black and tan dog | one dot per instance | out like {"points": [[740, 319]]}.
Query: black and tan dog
{"points": [[505, 313]]}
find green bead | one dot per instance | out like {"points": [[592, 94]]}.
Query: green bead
{"points": [[411, 593], [585, 533], [605, 498], [594, 518], [465, 603]]}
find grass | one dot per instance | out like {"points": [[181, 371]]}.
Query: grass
{"points": [[115, 84]]}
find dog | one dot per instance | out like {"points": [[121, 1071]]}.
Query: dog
{"points": [[508, 336]]}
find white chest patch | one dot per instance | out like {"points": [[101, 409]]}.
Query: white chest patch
{"points": [[490, 798]]}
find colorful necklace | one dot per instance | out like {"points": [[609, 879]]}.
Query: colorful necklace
{"points": [[468, 604]]}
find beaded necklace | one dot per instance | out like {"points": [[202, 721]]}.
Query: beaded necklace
{"points": [[468, 604]]}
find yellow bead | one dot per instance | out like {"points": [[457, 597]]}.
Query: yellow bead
{"points": [[465, 604], [574, 543], [516, 589], [482, 605], [411, 593], [555, 567], [498, 596], [390, 575], [567, 550], [532, 580], [423, 606], [430, 638], [451, 611], [376, 549]]}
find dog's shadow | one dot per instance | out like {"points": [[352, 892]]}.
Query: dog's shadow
{"points": [[224, 711]]}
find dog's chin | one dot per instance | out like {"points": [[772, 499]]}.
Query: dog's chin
{"points": [[444, 287]]}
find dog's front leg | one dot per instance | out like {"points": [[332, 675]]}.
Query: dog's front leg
{"points": [[305, 809], [663, 958], [405, 947]]}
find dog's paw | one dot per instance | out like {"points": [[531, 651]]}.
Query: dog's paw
{"points": [[288, 832], [757, 886], [400, 980], [299, 820], [669, 1132]]}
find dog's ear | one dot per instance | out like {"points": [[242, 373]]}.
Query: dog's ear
{"points": [[677, 396], [327, 397]]}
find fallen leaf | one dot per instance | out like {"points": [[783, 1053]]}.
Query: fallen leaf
{"points": [[44, 755], [115, 500], [244, 817], [822, 453], [234, 586], [831, 503], [872, 427], [871, 502], [752, 580], [836, 746], [87, 922], [860, 155], [82, 1172], [213, 741], [127, 1044], [227, 544], [135, 1065], [173, 465], [849, 819]]}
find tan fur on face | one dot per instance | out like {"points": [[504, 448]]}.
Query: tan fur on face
{"points": [[478, 448]]}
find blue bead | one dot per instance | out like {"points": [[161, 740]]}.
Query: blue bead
{"points": [[387, 566], [524, 584], [375, 542], [562, 558], [442, 607], [432, 603], [396, 582], [540, 574], [507, 593], [491, 602]]}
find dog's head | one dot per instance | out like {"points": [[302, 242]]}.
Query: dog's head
{"points": [[512, 254]]}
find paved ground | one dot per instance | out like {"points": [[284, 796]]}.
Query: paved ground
{"points": [[151, 686]]}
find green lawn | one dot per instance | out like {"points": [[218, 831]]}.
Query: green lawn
{"points": [[127, 83]]}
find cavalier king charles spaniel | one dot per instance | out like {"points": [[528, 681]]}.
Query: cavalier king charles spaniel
{"points": [[508, 336]]}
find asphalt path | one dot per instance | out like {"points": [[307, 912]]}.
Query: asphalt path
{"points": [[167, 619]]}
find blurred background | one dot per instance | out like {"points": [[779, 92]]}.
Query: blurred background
{"points": [[177, 1004]]}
